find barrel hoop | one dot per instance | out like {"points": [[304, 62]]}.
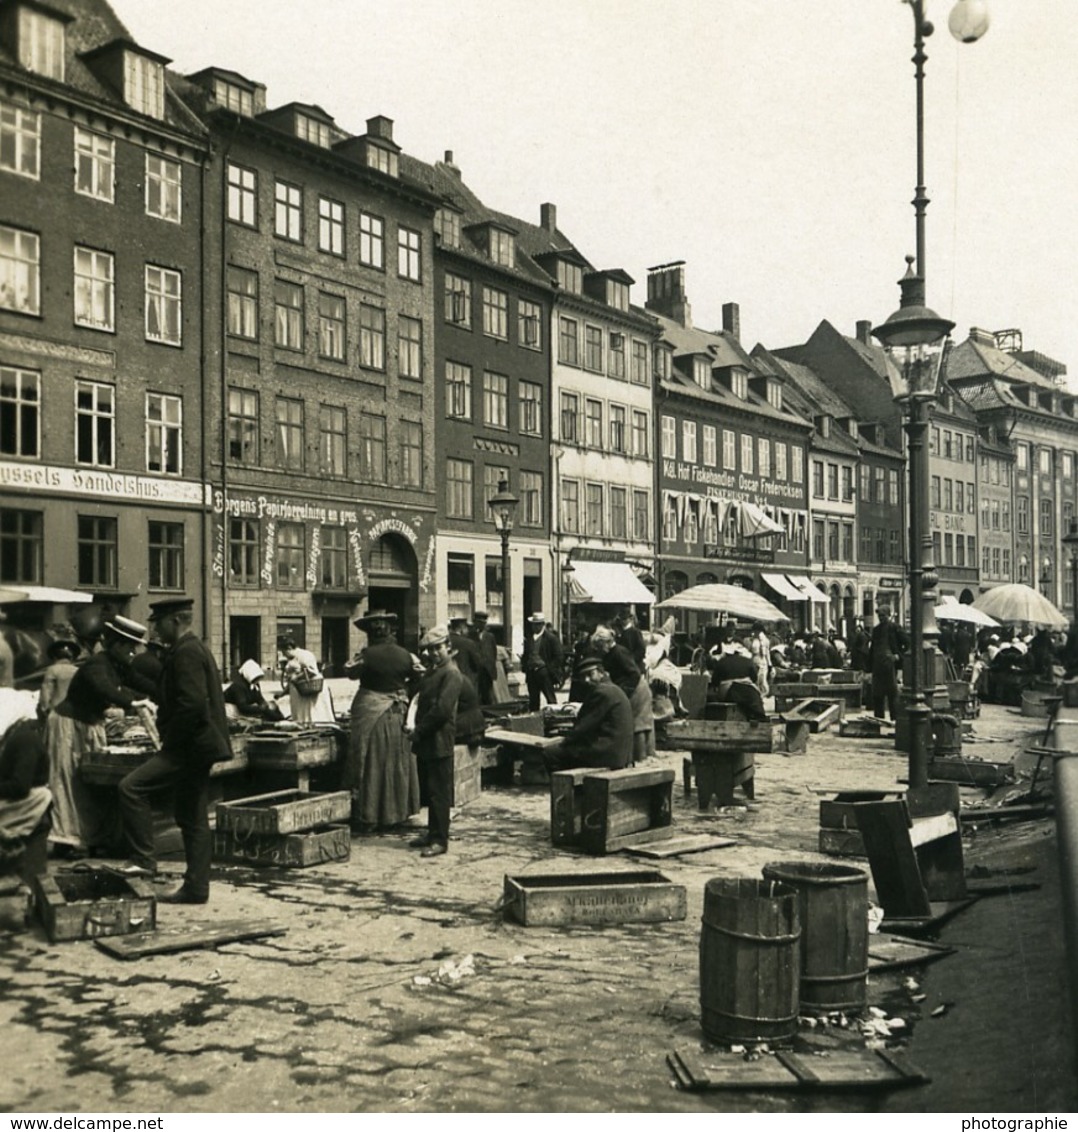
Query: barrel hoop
{"points": [[752, 1017], [755, 938], [810, 978]]}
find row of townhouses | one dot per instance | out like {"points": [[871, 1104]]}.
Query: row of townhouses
{"points": [[249, 356]]}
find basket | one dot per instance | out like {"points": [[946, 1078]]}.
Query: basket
{"points": [[309, 685]]}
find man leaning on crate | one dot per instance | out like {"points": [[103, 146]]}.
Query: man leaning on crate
{"points": [[194, 735]]}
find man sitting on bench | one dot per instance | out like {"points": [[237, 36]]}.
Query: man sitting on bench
{"points": [[602, 735], [733, 681]]}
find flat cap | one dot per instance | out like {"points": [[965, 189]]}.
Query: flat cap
{"points": [[167, 606]]}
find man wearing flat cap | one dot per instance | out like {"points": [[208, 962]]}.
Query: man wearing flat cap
{"points": [[602, 733], [194, 735]]}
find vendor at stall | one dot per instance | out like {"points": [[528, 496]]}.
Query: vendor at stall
{"points": [[245, 698], [602, 734]]}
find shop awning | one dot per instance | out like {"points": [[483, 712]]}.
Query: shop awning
{"points": [[610, 583], [781, 585], [11, 594], [807, 589]]}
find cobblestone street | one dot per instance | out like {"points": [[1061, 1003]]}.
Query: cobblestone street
{"points": [[369, 1002]]}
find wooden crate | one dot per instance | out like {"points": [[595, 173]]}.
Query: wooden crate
{"points": [[627, 807], [284, 811], [562, 899], [467, 774], [717, 772], [116, 761], [839, 833], [789, 736], [566, 799], [87, 903], [283, 850], [787, 695], [294, 750], [818, 713], [842, 843]]}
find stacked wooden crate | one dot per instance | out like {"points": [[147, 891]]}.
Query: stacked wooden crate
{"points": [[288, 828]]}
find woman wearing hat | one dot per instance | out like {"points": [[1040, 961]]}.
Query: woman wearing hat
{"points": [[380, 770], [77, 725], [300, 664]]}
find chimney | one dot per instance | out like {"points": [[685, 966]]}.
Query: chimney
{"points": [[380, 127], [666, 293], [449, 163], [548, 217], [731, 320], [981, 337], [864, 331]]}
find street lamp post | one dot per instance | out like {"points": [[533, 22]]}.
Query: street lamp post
{"points": [[914, 338], [1070, 541], [503, 506]]}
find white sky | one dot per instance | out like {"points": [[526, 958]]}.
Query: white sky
{"points": [[769, 143]]}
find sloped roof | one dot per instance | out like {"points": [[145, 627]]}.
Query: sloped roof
{"points": [[973, 359]]}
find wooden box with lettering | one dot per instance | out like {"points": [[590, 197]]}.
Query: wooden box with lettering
{"points": [[285, 811], [283, 850], [467, 774], [295, 750], [86, 903], [620, 808], [576, 898]]}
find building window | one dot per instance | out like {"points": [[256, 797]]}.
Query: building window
{"points": [[243, 552], [1046, 517], [617, 355], [372, 337], [1005, 515], [641, 433], [243, 426], [701, 372], [593, 423], [164, 434], [691, 531], [1044, 460], [570, 418], [330, 226], [460, 585], [832, 481], [669, 521], [570, 506], [593, 509], [529, 323], [233, 97], [492, 479], [593, 349], [20, 412], [372, 448], [97, 551], [619, 512], [408, 254], [288, 211], [959, 496], [1021, 514], [530, 397], [332, 439], [818, 547], [797, 463], [892, 488], [746, 454], [763, 461], [290, 433], [817, 479], [94, 288], [411, 453], [669, 438], [410, 347], [948, 495], [95, 424], [641, 516], [20, 141], [1022, 454], [1068, 465], [458, 489], [617, 429], [447, 227], [95, 165], [847, 542], [688, 441], [638, 374], [959, 551], [164, 310], [164, 188], [165, 541], [312, 130], [41, 43], [780, 461], [847, 483], [895, 547], [458, 391], [501, 247], [458, 301], [495, 313], [570, 277], [22, 545], [334, 559], [531, 499], [663, 362], [243, 303], [144, 85], [291, 555], [331, 326], [372, 244], [934, 494], [288, 315], [729, 450], [739, 383], [242, 195], [568, 346]]}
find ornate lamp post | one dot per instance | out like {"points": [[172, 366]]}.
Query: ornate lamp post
{"points": [[914, 338], [1070, 541], [503, 506]]}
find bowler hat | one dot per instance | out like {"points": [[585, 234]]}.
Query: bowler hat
{"points": [[167, 606], [374, 615], [126, 628]]}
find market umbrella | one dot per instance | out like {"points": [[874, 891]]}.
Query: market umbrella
{"points": [[951, 610], [1016, 604], [718, 598]]}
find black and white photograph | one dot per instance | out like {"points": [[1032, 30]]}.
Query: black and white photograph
{"points": [[562, 575]]}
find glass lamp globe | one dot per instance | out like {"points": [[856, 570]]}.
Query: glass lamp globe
{"points": [[969, 20]]}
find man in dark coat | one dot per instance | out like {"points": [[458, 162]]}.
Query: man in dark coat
{"points": [[466, 656], [733, 681], [630, 637], [434, 736], [888, 647], [488, 656], [194, 735], [602, 733], [860, 645], [543, 661]]}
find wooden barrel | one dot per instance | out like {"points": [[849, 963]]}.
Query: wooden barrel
{"points": [[833, 907], [750, 960]]}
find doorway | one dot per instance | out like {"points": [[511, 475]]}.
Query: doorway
{"points": [[244, 641], [393, 578], [334, 645]]}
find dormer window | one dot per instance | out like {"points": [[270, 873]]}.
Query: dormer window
{"points": [[570, 277], [662, 362], [617, 295], [234, 97], [701, 372], [144, 84], [41, 42], [501, 247], [774, 396], [382, 159], [447, 227], [312, 130], [739, 383]]}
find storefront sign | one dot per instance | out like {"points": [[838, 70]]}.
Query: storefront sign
{"points": [[109, 485], [942, 520], [46, 349], [739, 553], [891, 583], [731, 485]]}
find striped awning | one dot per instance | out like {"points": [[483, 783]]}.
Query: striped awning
{"points": [[783, 587]]}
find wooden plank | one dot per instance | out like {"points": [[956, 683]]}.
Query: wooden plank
{"points": [[676, 846], [720, 1070], [886, 953], [638, 837], [467, 775], [287, 850], [559, 899], [851, 1069], [520, 739], [940, 911], [975, 772], [924, 830], [284, 811], [896, 873], [187, 937]]}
